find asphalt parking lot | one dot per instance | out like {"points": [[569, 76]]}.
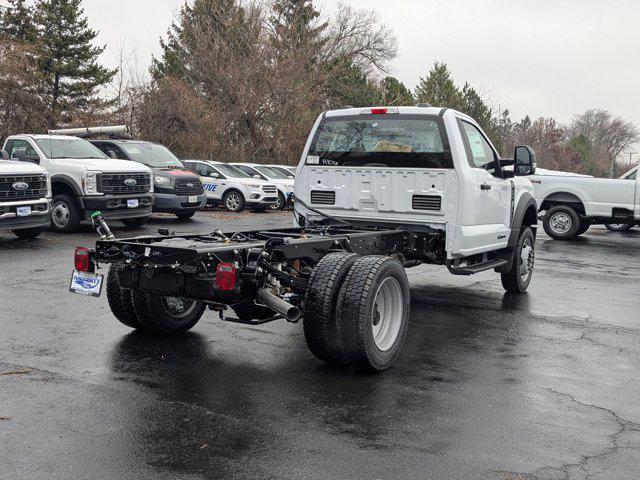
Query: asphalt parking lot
{"points": [[539, 386]]}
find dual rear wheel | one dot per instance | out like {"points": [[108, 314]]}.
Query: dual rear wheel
{"points": [[357, 310]]}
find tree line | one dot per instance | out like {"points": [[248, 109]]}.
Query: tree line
{"points": [[244, 81]]}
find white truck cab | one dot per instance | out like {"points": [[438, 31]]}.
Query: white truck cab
{"points": [[230, 186], [283, 182], [572, 203], [84, 180], [25, 194], [427, 169]]}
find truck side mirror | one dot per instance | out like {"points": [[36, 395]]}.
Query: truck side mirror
{"points": [[19, 154], [525, 160], [4, 155], [112, 154]]}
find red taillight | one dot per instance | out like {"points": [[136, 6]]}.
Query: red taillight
{"points": [[225, 276], [81, 259], [378, 111]]}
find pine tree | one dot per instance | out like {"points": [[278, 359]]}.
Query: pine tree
{"points": [[295, 25], [16, 22], [438, 88], [71, 74], [395, 93]]}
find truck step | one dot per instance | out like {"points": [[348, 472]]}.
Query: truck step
{"points": [[478, 267]]}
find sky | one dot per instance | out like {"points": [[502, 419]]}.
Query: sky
{"points": [[542, 58]]}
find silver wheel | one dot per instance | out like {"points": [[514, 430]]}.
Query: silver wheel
{"points": [[60, 214], [560, 223], [387, 314], [279, 205], [233, 201], [527, 258], [177, 307]]}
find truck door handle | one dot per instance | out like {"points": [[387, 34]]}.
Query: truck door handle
{"points": [[485, 186]]}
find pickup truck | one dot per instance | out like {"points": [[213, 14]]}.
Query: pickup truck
{"points": [[571, 204], [177, 190], [25, 194], [378, 190], [83, 179], [230, 186]]}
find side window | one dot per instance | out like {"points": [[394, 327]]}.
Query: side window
{"points": [[202, 169], [633, 176], [479, 151], [16, 144]]}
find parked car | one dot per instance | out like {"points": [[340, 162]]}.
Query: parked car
{"points": [[442, 196], [572, 203], [230, 186], [83, 180], [25, 194], [177, 190], [290, 172], [283, 183]]}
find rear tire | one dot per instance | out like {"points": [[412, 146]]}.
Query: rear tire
{"points": [[517, 279], [135, 222], [320, 328], [561, 222], [584, 226], [65, 214], [120, 300], [373, 312], [618, 227], [166, 315], [27, 233]]}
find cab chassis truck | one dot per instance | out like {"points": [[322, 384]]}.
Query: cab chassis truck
{"points": [[344, 274]]}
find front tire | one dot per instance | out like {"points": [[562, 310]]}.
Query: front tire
{"points": [[561, 222], [166, 315], [618, 227], [134, 222], [517, 279], [120, 301], [280, 203], [323, 289], [373, 312], [65, 214], [233, 201], [27, 233]]}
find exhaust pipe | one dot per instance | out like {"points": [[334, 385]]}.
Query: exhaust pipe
{"points": [[288, 311]]}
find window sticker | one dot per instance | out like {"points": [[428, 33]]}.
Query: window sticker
{"points": [[313, 160]]}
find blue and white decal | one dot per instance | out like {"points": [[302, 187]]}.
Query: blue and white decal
{"points": [[89, 284]]}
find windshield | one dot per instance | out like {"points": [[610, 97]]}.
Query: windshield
{"points": [[380, 140], [230, 171], [74, 148], [270, 172], [152, 155], [285, 171]]}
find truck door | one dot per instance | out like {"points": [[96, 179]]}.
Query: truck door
{"points": [[636, 205], [488, 203]]}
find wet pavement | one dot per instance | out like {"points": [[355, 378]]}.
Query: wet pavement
{"points": [[490, 386]]}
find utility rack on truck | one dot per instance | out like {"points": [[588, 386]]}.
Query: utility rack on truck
{"points": [[421, 185]]}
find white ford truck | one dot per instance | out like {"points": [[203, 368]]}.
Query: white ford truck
{"points": [[25, 194], [571, 204], [227, 185], [378, 190], [83, 180]]}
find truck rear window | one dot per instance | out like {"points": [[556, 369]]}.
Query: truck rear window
{"points": [[400, 141]]}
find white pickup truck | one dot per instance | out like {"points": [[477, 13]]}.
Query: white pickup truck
{"points": [[378, 190], [571, 204], [83, 180], [25, 194]]}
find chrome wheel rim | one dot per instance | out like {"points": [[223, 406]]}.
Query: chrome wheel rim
{"points": [[560, 223], [60, 214], [177, 307], [278, 204], [387, 314], [527, 259], [233, 202]]}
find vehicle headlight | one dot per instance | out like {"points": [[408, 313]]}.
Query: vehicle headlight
{"points": [[162, 181], [90, 182], [254, 185], [48, 186]]}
